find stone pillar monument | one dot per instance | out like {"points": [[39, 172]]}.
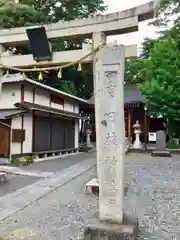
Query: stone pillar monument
{"points": [[111, 128], [111, 224]]}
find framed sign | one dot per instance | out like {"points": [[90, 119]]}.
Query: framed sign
{"points": [[152, 137]]}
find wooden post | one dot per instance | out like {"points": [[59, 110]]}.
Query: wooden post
{"points": [[1, 69], [111, 133], [129, 124]]}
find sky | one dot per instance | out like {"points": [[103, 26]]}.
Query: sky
{"points": [[144, 29]]}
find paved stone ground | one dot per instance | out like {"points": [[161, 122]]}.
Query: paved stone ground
{"points": [[153, 194], [57, 165], [15, 182]]}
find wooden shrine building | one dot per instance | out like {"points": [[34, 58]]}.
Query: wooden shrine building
{"points": [[134, 110]]}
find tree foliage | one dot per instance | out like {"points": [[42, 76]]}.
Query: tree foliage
{"points": [[167, 10], [133, 70], [146, 46], [163, 16], [74, 82], [63, 10], [31, 12], [13, 14], [161, 84]]}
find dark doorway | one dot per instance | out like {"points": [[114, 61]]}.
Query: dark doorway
{"points": [[4, 141]]}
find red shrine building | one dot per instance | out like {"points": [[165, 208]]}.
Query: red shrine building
{"points": [[134, 110]]}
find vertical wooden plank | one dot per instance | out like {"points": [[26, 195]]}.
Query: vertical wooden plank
{"points": [[129, 123]]}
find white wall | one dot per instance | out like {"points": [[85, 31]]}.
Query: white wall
{"points": [[77, 108], [42, 97], [11, 94], [28, 93], [57, 106], [76, 140], [16, 124], [28, 125], [68, 106]]}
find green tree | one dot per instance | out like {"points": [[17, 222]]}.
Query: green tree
{"points": [[30, 12], [13, 14], [166, 10], [146, 46], [161, 84], [63, 10], [133, 70], [74, 82]]}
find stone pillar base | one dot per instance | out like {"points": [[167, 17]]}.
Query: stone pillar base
{"points": [[98, 230]]}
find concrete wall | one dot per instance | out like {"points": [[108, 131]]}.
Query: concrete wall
{"points": [[11, 93]]}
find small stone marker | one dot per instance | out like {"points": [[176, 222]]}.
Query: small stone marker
{"points": [[161, 145], [160, 140]]}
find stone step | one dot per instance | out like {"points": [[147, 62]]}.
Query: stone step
{"points": [[164, 153]]}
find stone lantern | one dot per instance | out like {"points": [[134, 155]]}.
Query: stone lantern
{"points": [[88, 139], [137, 130]]}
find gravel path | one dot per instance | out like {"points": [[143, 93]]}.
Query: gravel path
{"points": [[154, 194]]}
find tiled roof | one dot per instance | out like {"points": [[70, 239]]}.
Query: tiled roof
{"points": [[4, 114], [132, 95], [41, 108], [11, 78]]}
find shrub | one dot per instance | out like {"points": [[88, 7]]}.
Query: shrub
{"points": [[172, 145], [25, 160]]}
